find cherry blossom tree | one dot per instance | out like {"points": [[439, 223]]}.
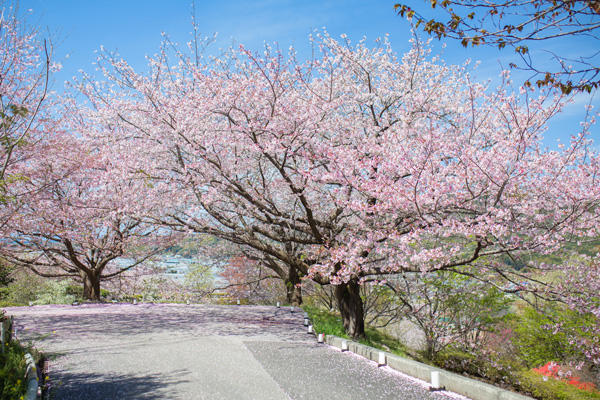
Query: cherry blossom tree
{"points": [[353, 165], [24, 70], [247, 279], [249, 188], [82, 220], [446, 183]]}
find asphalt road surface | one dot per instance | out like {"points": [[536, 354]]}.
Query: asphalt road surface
{"points": [[171, 351]]}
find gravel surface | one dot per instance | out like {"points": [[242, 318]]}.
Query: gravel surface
{"points": [[171, 351]]}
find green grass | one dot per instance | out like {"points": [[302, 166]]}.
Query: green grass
{"points": [[330, 323], [6, 303], [382, 341], [325, 322]]}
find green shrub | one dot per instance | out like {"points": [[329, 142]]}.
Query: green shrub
{"points": [[24, 289], [458, 361], [537, 344], [536, 386], [75, 290], [55, 292], [28, 287], [12, 372], [500, 370]]}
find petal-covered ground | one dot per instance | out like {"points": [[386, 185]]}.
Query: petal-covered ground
{"points": [[170, 351]]}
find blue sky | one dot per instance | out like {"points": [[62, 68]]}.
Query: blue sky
{"points": [[134, 27]]}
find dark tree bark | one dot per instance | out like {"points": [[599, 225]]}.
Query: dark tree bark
{"points": [[351, 308], [292, 287], [91, 286]]}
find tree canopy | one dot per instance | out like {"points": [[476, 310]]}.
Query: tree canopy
{"points": [[351, 166]]}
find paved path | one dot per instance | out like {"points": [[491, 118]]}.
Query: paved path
{"points": [[167, 351]]}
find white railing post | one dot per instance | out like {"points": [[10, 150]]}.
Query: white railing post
{"points": [[435, 380], [382, 359], [2, 335], [344, 345]]}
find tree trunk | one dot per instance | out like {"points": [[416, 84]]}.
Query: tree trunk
{"points": [[91, 286], [351, 308], [293, 288], [430, 349]]}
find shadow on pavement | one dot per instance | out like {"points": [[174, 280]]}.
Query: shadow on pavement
{"points": [[89, 386]]}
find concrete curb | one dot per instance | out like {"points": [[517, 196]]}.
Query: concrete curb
{"points": [[450, 381], [32, 378]]}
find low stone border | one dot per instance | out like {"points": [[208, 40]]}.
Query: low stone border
{"points": [[450, 381], [31, 376]]}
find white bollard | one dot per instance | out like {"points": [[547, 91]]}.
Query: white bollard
{"points": [[134, 302], [321, 338], [381, 358], [278, 305], [305, 321], [30, 303], [187, 302], [292, 309], [344, 345], [435, 380], [238, 302], [310, 329], [305, 315]]}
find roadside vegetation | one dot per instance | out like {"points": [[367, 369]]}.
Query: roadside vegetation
{"points": [[517, 351], [12, 371], [13, 367]]}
